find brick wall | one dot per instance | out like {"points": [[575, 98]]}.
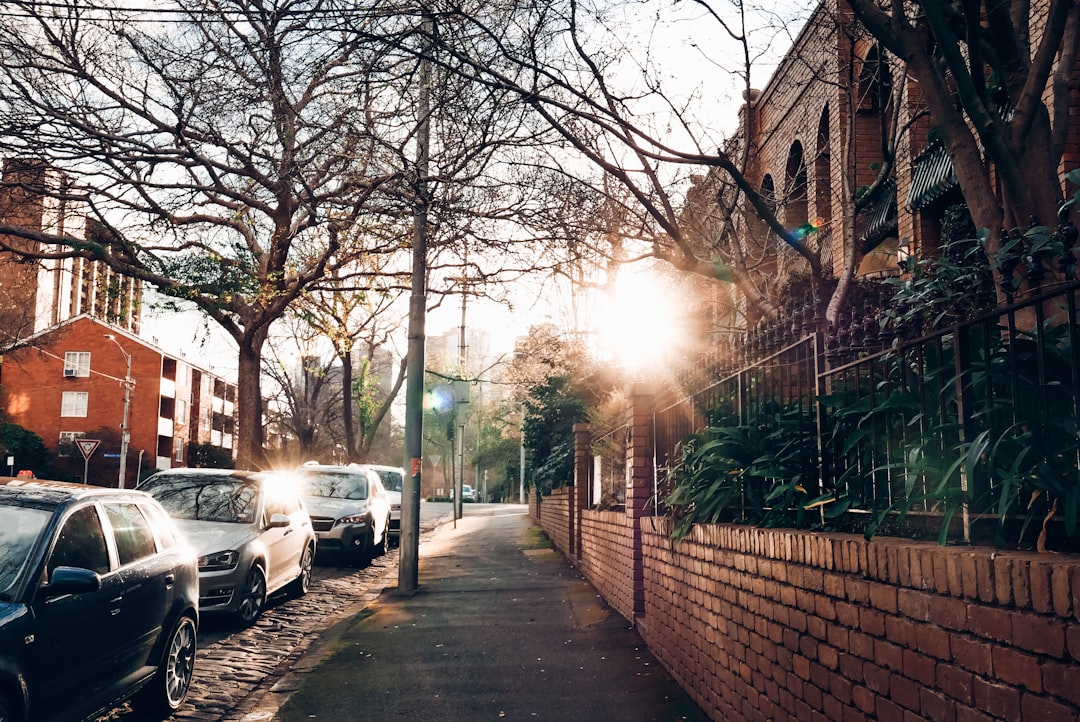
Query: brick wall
{"points": [[607, 557], [764, 624], [554, 517]]}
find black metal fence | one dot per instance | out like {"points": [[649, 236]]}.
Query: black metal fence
{"points": [[971, 428]]}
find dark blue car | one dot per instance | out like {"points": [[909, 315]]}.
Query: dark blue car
{"points": [[98, 602]]}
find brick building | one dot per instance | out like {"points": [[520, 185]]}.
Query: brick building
{"points": [[38, 294], [70, 385], [814, 137]]}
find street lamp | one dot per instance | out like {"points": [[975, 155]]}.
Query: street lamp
{"points": [[125, 434]]}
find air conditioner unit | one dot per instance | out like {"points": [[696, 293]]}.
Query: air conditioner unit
{"points": [[69, 372]]}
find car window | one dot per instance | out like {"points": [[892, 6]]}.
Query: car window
{"points": [[391, 480], [205, 498], [134, 537], [80, 543], [162, 524], [20, 529], [335, 484]]}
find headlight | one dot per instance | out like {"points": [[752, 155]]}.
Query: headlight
{"points": [[219, 561], [354, 519]]}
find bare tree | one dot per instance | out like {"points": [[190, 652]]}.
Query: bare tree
{"points": [[225, 145], [998, 80], [364, 320]]}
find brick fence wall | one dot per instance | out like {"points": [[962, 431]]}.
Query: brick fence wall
{"points": [[776, 624], [553, 513], [607, 557], [771, 624]]}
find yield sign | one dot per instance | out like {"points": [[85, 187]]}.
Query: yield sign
{"points": [[87, 447]]}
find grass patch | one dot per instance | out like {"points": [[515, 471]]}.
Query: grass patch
{"points": [[536, 538]]}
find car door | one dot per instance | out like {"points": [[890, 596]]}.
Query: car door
{"points": [[72, 660], [149, 579], [284, 545], [380, 506]]}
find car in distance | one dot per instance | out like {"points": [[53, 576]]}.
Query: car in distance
{"points": [[467, 493], [393, 481], [98, 602], [349, 509], [250, 530]]}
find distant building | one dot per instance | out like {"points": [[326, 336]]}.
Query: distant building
{"points": [[38, 294], [70, 385]]}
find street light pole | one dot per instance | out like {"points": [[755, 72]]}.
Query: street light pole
{"points": [[125, 433]]}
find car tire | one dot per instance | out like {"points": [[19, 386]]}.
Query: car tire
{"points": [[299, 586], [164, 694], [252, 597], [362, 555]]}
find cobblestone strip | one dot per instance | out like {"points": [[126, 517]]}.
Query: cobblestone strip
{"points": [[228, 672], [233, 676]]}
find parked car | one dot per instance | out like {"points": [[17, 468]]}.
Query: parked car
{"points": [[251, 531], [393, 480], [98, 602], [467, 493], [349, 509]]}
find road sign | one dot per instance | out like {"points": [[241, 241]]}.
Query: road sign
{"points": [[111, 456], [87, 447]]}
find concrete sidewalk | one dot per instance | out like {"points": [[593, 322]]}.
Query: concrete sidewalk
{"points": [[501, 628]]}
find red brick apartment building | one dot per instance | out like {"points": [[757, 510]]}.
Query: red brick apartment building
{"points": [[70, 385]]}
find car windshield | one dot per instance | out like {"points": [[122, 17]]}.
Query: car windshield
{"points": [[335, 484], [20, 529], [391, 480], [205, 498]]}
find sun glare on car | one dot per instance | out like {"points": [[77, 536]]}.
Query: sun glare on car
{"points": [[640, 330]]}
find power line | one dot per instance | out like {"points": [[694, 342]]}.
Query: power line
{"points": [[168, 14]]}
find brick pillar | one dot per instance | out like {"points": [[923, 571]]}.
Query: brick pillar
{"points": [[639, 480], [579, 497]]}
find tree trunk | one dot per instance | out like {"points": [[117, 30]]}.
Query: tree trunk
{"points": [[249, 406], [351, 446]]}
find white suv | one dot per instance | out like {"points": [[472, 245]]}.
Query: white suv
{"points": [[393, 480]]}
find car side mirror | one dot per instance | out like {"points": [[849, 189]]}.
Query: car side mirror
{"points": [[71, 580], [279, 520]]}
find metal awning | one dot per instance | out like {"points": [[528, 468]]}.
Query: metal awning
{"points": [[878, 218], [934, 176]]}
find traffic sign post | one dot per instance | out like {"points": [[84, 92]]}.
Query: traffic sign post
{"points": [[87, 447]]}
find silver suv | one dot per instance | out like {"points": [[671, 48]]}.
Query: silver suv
{"points": [[251, 532], [349, 509]]}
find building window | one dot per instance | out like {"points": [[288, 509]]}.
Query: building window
{"points": [[67, 446], [178, 449], [181, 411], [74, 403], [77, 363]]}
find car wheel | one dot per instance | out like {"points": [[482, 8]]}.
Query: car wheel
{"points": [[299, 586], [361, 554], [169, 687], [252, 596]]}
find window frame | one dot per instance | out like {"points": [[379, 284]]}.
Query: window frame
{"points": [[71, 410], [79, 362]]}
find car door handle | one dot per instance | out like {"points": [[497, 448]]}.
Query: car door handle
{"points": [[288, 531], [170, 579], [115, 603]]}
